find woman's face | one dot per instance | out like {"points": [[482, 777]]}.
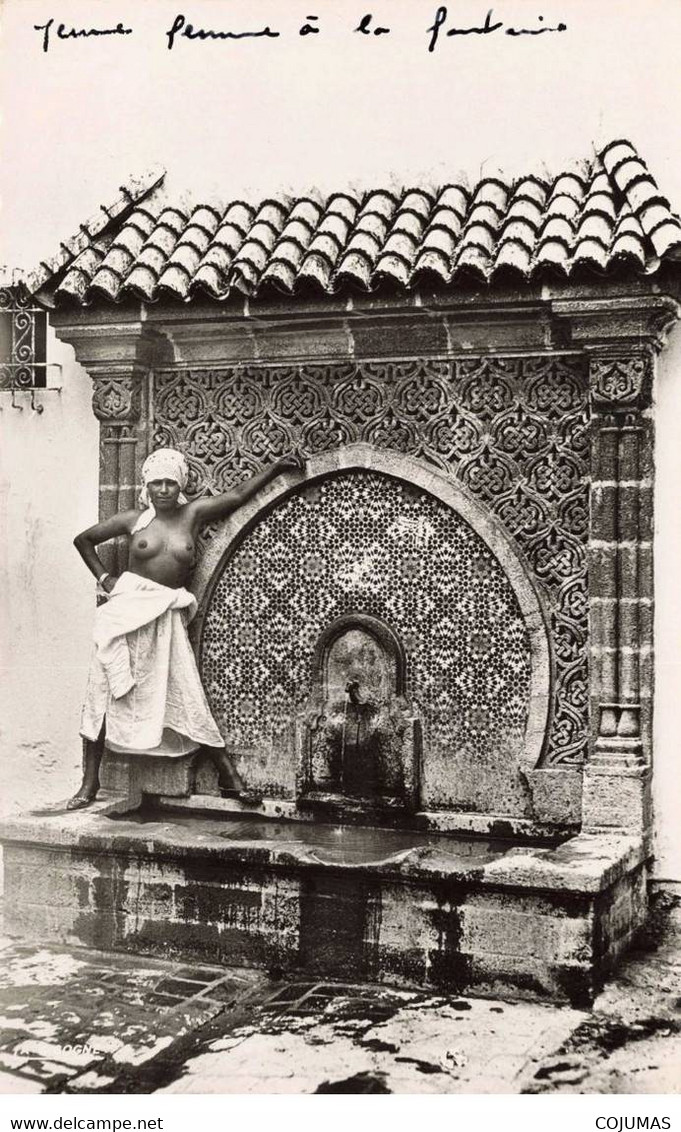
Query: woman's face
{"points": [[164, 494]]}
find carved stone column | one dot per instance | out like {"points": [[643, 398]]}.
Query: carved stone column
{"points": [[620, 338], [116, 402], [118, 351], [620, 568]]}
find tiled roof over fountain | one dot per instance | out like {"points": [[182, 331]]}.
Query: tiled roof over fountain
{"points": [[610, 215]]}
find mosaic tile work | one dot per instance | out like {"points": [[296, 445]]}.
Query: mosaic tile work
{"points": [[366, 542], [514, 431]]}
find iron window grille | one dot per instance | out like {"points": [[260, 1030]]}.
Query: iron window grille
{"points": [[23, 342]]}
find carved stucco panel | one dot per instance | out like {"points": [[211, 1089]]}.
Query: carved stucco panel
{"points": [[513, 431]]}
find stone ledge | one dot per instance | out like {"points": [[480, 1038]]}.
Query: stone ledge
{"points": [[452, 822], [587, 863]]}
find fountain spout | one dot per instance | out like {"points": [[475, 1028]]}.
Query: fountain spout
{"points": [[360, 738], [352, 689]]}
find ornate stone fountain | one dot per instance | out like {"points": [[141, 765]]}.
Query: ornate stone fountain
{"points": [[430, 656]]}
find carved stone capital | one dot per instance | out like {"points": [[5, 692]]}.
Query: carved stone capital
{"points": [[622, 324], [620, 382], [110, 340], [116, 399]]}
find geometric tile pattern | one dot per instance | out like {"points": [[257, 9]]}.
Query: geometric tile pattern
{"points": [[363, 542]]}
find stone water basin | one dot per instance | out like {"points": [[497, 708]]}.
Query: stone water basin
{"points": [[359, 845], [440, 911]]}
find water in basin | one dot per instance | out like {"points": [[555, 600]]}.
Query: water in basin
{"points": [[329, 844]]}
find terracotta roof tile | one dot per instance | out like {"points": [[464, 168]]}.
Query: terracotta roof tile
{"points": [[175, 281], [526, 211], [186, 256], [446, 218], [485, 214], [593, 226], [163, 238], [395, 268], [531, 189], [513, 255], [297, 232], [131, 193], [379, 203], [317, 269], [557, 227], [142, 280], [564, 205], [441, 240], [210, 278], [493, 193], [79, 278], [107, 282], [326, 245], [454, 197], [553, 254], [609, 215], [520, 232], [590, 253], [480, 236], [228, 238], [474, 259], [408, 224]]}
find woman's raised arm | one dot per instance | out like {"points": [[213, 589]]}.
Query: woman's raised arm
{"points": [[211, 507]]}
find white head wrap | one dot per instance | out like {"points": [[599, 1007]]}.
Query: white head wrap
{"points": [[163, 464]]}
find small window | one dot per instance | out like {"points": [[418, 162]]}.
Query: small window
{"points": [[23, 341]]}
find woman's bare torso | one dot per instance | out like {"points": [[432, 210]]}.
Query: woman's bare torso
{"points": [[163, 551]]}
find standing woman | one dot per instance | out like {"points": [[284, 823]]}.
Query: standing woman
{"points": [[144, 693]]}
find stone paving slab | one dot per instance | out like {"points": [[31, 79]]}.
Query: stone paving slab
{"points": [[397, 1041], [66, 1013]]}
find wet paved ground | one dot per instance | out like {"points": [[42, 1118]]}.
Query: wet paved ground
{"points": [[84, 1021]]}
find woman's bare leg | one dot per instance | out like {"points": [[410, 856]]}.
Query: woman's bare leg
{"points": [[228, 779], [92, 758]]}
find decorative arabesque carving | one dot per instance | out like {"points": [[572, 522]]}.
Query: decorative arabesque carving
{"points": [[620, 382], [116, 399], [117, 404], [514, 431]]}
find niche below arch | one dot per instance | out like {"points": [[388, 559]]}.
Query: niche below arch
{"points": [[361, 739]]}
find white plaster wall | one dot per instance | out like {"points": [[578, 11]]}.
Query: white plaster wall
{"points": [[48, 492], [667, 704]]}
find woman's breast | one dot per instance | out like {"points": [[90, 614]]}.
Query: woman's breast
{"points": [[182, 551], [145, 547]]}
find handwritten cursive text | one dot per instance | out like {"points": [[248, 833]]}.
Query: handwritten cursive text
{"points": [[183, 30], [63, 32], [487, 28]]}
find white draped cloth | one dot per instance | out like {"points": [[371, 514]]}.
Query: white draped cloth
{"points": [[143, 676]]}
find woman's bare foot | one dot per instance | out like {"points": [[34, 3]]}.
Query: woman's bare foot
{"points": [[82, 799], [87, 791]]}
